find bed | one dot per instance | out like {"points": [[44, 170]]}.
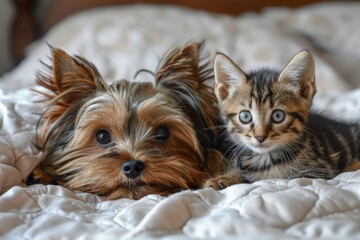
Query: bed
{"points": [[123, 38]]}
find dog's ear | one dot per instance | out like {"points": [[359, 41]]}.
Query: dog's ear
{"points": [[181, 64], [72, 78], [184, 72]]}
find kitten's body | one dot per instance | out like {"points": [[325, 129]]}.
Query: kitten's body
{"points": [[323, 150], [270, 129]]}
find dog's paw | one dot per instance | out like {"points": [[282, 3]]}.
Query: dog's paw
{"points": [[223, 181]]}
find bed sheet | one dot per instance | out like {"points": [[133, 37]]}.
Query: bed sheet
{"points": [[271, 209]]}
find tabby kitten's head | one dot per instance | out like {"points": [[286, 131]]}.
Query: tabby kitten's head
{"points": [[265, 109]]}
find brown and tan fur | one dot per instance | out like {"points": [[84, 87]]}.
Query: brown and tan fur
{"points": [[270, 129], [128, 139]]}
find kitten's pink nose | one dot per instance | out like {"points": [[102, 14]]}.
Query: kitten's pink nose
{"points": [[260, 138]]}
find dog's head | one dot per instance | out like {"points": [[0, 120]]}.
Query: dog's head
{"points": [[128, 139]]}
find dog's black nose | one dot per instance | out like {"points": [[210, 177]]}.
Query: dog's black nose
{"points": [[132, 168]]}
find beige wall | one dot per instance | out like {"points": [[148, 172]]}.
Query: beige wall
{"points": [[7, 12]]}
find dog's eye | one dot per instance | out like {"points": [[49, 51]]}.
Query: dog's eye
{"points": [[161, 133], [103, 138]]}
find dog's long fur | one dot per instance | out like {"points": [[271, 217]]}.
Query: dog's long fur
{"points": [[168, 127]]}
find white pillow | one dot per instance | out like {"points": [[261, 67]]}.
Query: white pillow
{"points": [[123, 39]]}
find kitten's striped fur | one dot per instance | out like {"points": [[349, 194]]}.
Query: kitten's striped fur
{"points": [[282, 139]]}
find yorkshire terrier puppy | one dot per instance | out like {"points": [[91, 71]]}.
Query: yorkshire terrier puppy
{"points": [[128, 139]]}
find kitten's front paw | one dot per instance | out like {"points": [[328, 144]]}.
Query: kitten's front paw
{"points": [[217, 183], [223, 181]]}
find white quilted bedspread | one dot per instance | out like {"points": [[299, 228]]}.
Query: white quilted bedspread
{"points": [[122, 40], [272, 209]]}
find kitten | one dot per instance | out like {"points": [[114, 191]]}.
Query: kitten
{"points": [[270, 128]]}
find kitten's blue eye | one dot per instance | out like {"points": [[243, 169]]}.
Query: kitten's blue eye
{"points": [[278, 116], [245, 116], [103, 138]]}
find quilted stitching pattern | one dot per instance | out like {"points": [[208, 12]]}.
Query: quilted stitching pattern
{"points": [[298, 209]]}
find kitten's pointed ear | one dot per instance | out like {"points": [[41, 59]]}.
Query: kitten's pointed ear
{"points": [[181, 64], [72, 77], [228, 76], [300, 74]]}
